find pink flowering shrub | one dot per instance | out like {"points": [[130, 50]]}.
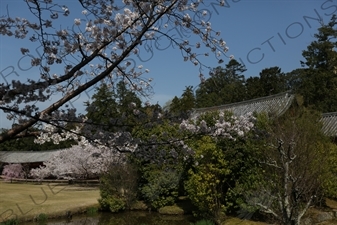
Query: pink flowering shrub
{"points": [[11, 171]]}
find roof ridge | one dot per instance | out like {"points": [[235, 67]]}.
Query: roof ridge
{"points": [[255, 100], [329, 114]]}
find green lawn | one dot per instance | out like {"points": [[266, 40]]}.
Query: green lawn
{"points": [[26, 200]]}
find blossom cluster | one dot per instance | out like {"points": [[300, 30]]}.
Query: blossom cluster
{"points": [[231, 127], [78, 162]]}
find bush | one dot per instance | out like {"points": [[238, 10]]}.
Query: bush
{"points": [[92, 211], [118, 188], [10, 222], [115, 204], [329, 174], [112, 203], [206, 182], [171, 210], [42, 218], [161, 189]]}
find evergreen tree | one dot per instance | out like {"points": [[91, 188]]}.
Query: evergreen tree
{"points": [[319, 79], [103, 107], [112, 107], [182, 106], [253, 88], [187, 99], [226, 85], [125, 97], [271, 81], [294, 79]]}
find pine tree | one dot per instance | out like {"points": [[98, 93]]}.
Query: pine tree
{"points": [[225, 85], [319, 79]]}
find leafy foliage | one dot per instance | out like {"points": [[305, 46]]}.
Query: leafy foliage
{"points": [[181, 106], [118, 187], [206, 178], [293, 160], [112, 108], [328, 176], [112, 203], [224, 86], [319, 79], [161, 189], [221, 161], [161, 163], [271, 81]]}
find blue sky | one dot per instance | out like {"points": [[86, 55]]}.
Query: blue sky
{"points": [[259, 33]]}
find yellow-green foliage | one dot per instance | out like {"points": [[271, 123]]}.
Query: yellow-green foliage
{"points": [[205, 182], [329, 175], [112, 203]]}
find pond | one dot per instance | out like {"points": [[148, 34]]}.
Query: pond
{"points": [[125, 218]]}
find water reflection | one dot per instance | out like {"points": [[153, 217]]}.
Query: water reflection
{"points": [[126, 218]]}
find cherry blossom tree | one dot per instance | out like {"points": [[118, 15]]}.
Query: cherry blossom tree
{"points": [[11, 171], [97, 48], [78, 162]]}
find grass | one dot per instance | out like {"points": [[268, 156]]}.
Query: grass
{"points": [[171, 210], [203, 222], [26, 201], [91, 211], [237, 221]]}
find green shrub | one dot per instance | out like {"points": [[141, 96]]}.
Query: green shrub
{"points": [[42, 218], [111, 203], [120, 183], [329, 174], [139, 205], [116, 205], [161, 189], [10, 222], [206, 182], [92, 211]]}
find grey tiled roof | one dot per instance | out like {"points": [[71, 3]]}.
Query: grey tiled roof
{"points": [[330, 124], [25, 156], [274, 105]]}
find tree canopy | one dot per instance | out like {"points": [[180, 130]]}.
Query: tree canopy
{"points": [[319, 79], [225, 85]]}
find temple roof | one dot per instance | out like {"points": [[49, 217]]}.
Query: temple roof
{"points": [[274, 105], [329, 124], [25, 156]]}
